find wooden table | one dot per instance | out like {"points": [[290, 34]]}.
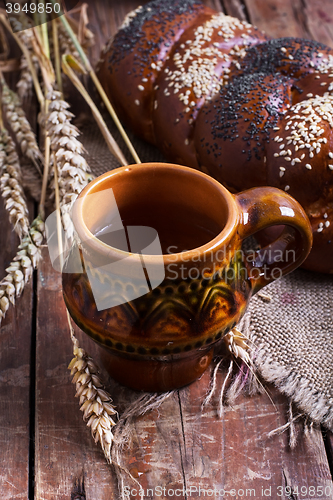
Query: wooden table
{"points": [[46, 449]]}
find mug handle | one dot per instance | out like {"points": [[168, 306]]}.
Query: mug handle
{"points": [[263, 207]]}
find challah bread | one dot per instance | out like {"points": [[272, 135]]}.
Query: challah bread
{"points": [[131, 62], [213, 93], [272, 125], [165, 61]]}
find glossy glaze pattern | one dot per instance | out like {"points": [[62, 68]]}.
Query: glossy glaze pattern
{"points": [[177, 316], [165, 338]]}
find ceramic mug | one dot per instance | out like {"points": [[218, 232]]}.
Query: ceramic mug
{"points": [[159, 310]]}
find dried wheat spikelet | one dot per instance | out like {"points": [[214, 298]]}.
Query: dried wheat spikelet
{"points": [[11, 185], [20, 269], [237, 344], [25, 84], [73, 170], [95, 402], [20, 125], [22, 25]]}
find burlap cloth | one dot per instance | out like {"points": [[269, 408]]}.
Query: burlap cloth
{"points": [[290, 331]]}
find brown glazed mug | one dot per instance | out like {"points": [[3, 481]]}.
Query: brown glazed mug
{"points": [[159, 307]]}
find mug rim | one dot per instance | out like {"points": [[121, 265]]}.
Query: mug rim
{"points": [[95, 244]]}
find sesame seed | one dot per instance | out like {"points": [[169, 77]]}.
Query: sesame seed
{"points": [[330, 167], [325, 215], [308, 166], [327, 223], [330, 154], [319, 230], [141, 87], [287, 188], [137, 102], [187, 142]]}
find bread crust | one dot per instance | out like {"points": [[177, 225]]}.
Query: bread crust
{"points": [[214, 93]]}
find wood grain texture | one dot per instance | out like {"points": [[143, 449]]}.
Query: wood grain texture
{"points": [[181, 447], [65, 450], [15, 341], [235, 8], [319, 19], [278, 18]]}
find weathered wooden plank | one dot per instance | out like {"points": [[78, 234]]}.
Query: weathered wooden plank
{"points": [[278, 18], [15, 341], [179, 447], [319, 19], [65, 451], [235, 8]]}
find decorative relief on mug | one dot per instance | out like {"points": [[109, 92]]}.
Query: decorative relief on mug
{"points": [[172, 276]]}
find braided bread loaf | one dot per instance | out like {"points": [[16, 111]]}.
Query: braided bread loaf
{"points": [[214, 93]]}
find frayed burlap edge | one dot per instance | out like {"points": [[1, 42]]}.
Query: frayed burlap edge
{"points": [[299, 390]]}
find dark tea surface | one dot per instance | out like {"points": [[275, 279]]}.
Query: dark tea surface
{"points": [[178, 230]]}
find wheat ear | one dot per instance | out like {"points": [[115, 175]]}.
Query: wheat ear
{"points": [[25, 84], [22, 24], [20, 269], [10, 185], [95, 401], [20, 125], [73, 170]]}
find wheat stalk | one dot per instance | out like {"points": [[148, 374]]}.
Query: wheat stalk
{"points": [[20, 269], [21, 25], [20, 125], [99, 87], [73, 170], [65, 42], [95, 401], [10, 185]]}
